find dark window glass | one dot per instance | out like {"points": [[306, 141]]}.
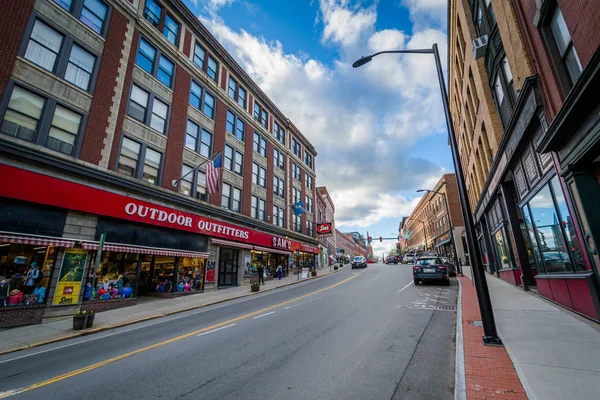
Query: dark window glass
{"points": [[165, 71], [241, 97], [239, 129], [66, 4], [199, 56], [152, 12], [564, 44], [256, 111], [146, 56], [23, 114], [230, 124], [209, 105], [212, 69], [191, 135], [239, 162], [93, 14], [80, 67], [195, 95], [206, 144]]}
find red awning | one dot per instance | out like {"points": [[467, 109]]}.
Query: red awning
{"points": [[35, 240], [143, 250], [229, 243], [276, 251]]}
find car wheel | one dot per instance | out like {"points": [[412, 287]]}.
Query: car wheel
{"points": [[416, 282]]}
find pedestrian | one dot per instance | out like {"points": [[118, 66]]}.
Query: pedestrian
{"points": [[261, 274], [279, 271]]}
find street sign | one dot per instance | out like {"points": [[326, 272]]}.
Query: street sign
{"points": [[324, 228]]}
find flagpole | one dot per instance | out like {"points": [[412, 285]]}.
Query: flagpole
{"points": [[175, 182]]}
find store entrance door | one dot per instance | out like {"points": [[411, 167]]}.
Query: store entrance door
{"points": [[228, 267]]}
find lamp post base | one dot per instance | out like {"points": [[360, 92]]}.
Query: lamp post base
{"points": [[492, 341]]}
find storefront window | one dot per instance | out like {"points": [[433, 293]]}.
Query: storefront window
{"points": [[115, 276], [529, 235], [304, 260], [25, 271], [567, 223], [163, 273], [503, 251], [261, 258], [551, 241], [191, 274]]}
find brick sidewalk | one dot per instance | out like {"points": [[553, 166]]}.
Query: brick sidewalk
{"points": [[489, 371]]}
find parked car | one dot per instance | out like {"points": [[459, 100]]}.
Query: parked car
{"points": [[359, 262], [449, 265], [409, 258], [430, 268], [370, 261]]}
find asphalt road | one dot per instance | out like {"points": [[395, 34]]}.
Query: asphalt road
{"points": [[359, 334]]}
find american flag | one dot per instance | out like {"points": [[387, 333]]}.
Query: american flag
{"points": [[213, 174]]}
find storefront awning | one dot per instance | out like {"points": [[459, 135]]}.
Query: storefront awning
{"points": [[276, 251], [36, 240], [143, 250], [229, 243], [442, 243]]}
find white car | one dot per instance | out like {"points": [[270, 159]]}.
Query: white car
{"points": [[409, 258], [359, 262]]}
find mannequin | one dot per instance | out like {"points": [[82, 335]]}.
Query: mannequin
{"points": [[4, 290], [33, 275]]}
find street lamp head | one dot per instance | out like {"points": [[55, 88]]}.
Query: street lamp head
{"points": [[362, 61], [422, 190]]}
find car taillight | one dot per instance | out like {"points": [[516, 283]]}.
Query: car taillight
{"points": [[442, 267], [415, 268]]}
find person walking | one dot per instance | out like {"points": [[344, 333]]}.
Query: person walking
{"points": [[279, 271], [261, 274]]}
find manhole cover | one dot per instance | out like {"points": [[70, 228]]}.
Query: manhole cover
{"points": [[445, 308]]}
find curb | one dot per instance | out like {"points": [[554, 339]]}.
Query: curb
{"points": [[139, 320], [460, 384]]}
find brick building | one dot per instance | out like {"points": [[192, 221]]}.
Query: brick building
{"points": [[344, 246], [104, 103], [326, 214], [529, 57], [428, 226]]}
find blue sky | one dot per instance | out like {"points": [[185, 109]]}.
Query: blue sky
{"points": [[378, 130]]}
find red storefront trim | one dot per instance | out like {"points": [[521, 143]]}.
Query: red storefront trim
{"points": [[143, 250], [43, 189], [35, 240]]}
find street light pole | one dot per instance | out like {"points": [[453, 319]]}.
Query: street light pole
{"points": [[483, 295]]}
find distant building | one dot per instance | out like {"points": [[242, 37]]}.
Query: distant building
{"points": [[326, 213], [344, 246]]}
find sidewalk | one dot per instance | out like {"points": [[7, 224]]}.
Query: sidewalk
{"points": [[25, 337], [554, 353]]}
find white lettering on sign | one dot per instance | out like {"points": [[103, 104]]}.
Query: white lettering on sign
{"points": [[282, 243], [217, 228], [153, 213]]}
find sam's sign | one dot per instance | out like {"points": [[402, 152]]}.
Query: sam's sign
{"points": [[324, 228], [282, 243]]}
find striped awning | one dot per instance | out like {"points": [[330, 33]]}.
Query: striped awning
{"points": [[120, 248], [35, 240], [229, 243], [276, 251]]}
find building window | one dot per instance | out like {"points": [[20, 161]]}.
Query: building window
{"points": [[258, 208], [140, 161], [278, 216], [139, 104], [198, 140], [279, 159], [199, 56], [92, 12], [260, 145], [261, 115], [234, 160], [296, 148], [309, 181], [308, 159], [297, 195], [259, 175], [50, 50], [212, 68], [187, 186], [152, 12], [43, 46], [171, 29], [566, 57], [63, 131], [235, 125], [26, 112], [278, 186], [237, 93], [309, 204], [146, 59], [202, 100], [296, 171], [297, 223], [231, 197], [485, 17], [310, 228], [504, 91], [279, 133]]}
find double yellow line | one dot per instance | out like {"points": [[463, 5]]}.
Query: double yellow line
{"points": [[160, 344]]}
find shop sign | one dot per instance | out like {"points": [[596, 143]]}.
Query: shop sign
{"points": [[70, 277], [282, 243], [324, 228], [56, 192]]}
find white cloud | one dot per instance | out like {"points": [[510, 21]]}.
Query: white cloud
{"points": [[361, 121], [344, 24], [427, 12]]}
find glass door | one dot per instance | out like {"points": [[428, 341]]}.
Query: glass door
{"points": [[228, 267]]}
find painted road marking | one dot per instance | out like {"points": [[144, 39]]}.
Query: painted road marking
{"points": [[214, 330], [288, 307], [376, 276], [264, 315], [409, 283], [160, 344]]}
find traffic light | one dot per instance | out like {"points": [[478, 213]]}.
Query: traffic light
{"points": [[369, 239], [380, 239]]}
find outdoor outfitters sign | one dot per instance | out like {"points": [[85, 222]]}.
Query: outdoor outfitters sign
{"points": [[56, 192]]}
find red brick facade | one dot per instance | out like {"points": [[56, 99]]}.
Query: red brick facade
{"points": [[13, 21]]}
